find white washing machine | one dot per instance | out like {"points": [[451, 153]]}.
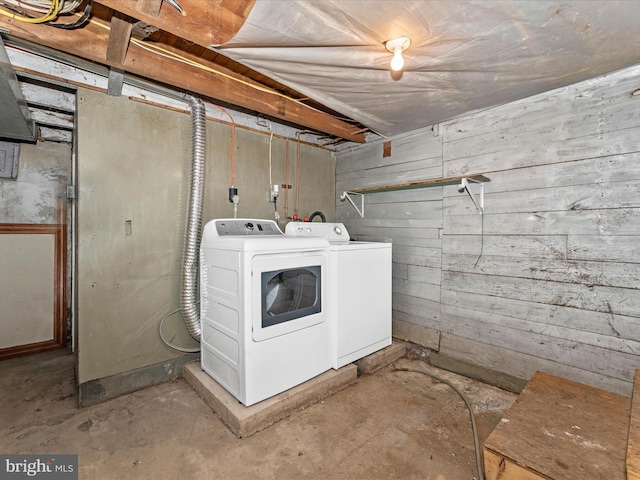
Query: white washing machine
{"points": [[359, 291], [263, 308]]}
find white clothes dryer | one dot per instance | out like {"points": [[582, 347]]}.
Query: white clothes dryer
{"points": [[263, 308], [359, 291]]}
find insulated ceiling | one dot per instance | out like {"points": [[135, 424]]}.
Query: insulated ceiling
{"points": [[464, 55]]}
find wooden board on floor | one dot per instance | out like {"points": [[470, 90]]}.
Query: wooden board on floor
{"points": [[633, 447], [560, 429]]}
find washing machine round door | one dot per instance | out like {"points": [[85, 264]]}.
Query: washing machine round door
{"points": [[287, 294], [288, 291]]}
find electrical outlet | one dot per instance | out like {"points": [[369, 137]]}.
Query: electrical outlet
{"points": [[273, 193]]}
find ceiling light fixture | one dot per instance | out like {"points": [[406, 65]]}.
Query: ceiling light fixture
{"points": [[397, 46]]}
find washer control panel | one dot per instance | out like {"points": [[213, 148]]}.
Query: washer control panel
{"points": [[334, 232]]}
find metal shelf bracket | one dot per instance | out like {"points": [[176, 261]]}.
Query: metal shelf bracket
{"points": [[464, 186], [348, 195]]}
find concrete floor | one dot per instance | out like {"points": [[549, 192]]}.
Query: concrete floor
{"points": [[387, 425]]}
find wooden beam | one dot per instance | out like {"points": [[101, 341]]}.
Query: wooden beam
{"points": [[91, 41], [204, 23], [150, 7], [118, 44]]}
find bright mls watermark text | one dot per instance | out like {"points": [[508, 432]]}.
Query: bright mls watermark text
{"points": [[49, 467]]}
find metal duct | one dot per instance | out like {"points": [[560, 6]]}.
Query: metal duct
{"points": [[193, 227], [15, 122]]}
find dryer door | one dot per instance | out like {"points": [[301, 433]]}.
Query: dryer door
{"points": [[287, 293]]}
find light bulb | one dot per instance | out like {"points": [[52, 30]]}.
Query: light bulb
{"points": [[397, 62], [397, 46]]}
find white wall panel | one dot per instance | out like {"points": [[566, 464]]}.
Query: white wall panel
{"points": [[27, 286]]}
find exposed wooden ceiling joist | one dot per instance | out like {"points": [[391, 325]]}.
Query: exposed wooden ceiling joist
{"points": [[150, 7], [46, 96], [203, 22], [106, 40], [119, 36], [51, 107]]}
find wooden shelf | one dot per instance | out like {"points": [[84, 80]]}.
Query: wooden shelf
{"points": [[436, 182]]}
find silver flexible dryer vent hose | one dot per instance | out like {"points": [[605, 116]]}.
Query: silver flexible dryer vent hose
{"points": [[193, 226]]}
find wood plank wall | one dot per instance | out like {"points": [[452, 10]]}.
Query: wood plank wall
{"points": [[548, 279], [410, 219]]}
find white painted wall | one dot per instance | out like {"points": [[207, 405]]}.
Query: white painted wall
{"points": [[556, 286], [27, 286]]}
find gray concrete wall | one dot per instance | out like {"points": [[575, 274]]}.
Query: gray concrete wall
{"points": [[251, 166], [37, 195], [133, 173]]}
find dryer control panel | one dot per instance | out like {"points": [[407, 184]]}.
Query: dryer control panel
{"points": [[245, 226]]}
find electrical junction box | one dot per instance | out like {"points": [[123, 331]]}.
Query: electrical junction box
{"points": [[9, 153]]}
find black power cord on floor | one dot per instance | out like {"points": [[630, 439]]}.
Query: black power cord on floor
{"points": [[474, 428]]}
